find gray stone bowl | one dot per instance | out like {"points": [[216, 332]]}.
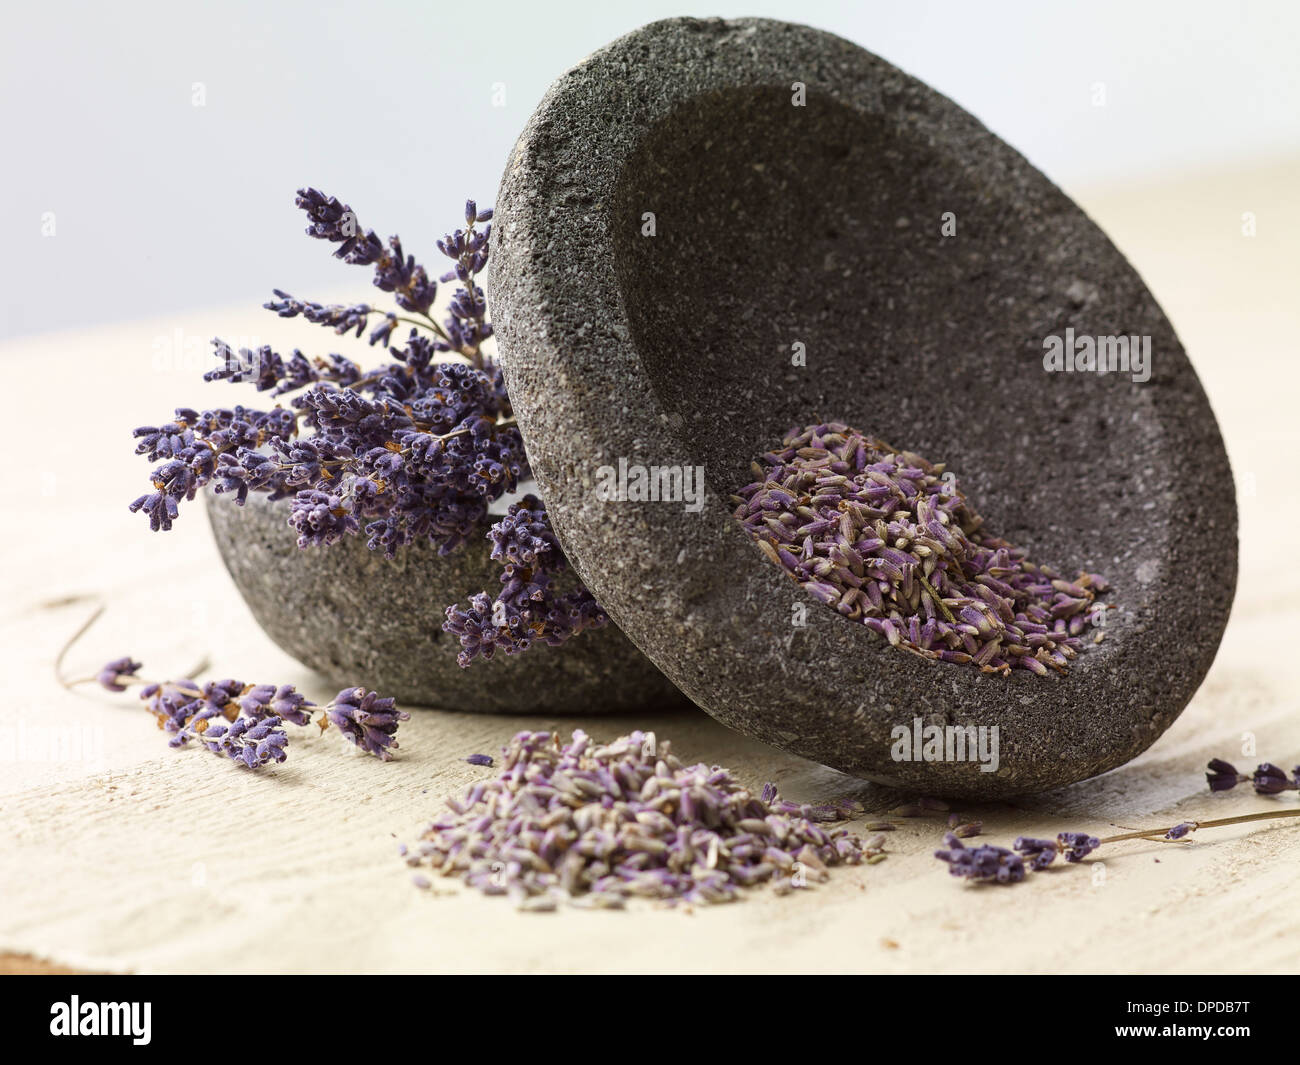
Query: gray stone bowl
{"points": [[357, 618], [777, 224]]}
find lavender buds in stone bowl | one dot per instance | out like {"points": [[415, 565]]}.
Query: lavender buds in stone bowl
{"points": [[713, 231]]}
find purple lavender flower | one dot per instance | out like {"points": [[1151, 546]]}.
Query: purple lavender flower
{"points": [[113, 673], [1222, 775], [250, 742], [335, 221], [528, 608], [1180, 830], [339, 317], [242, 721], [367, 720], [413, 451], [479, 759], [1077, 845], [321, 518], [1269, 779], [983, 864], [1040, 852]]}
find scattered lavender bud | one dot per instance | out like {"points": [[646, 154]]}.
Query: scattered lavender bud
{"points": [[1181, 830], [885, 538], [984, 864], [1269, 779], [1075, 846], [601, 823], [1222, 775], [970, 828], [479, 759], [1040, 852], [367, 720], [114, 673]]}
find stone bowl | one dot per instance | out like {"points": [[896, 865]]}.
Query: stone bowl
{"points": [[699, 197], [357, 618]]}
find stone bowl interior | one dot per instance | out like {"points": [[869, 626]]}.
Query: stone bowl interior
{"points": [[820, 227]]}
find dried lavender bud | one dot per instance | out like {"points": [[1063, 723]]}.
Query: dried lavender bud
{"points": [[113, 673], [968, 829], [367, 720], [479, 759], [1040, 852], [241, 721], [1222, 775], [339, 317], [985, 863], [603, 822], [336, 222], [1269, 779], [1181, 830], [528, 609], [886, 539], [1075, 846]]}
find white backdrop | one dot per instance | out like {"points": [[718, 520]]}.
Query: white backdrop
{"points": [[152, 148]]}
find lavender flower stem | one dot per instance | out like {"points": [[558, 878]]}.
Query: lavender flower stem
{"points": [[1219, 822]]}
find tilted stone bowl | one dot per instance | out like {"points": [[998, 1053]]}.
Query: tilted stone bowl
{"points": [[358, 618], [776, 224]]}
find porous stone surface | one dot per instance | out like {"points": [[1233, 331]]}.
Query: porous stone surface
{"points": [[776, 224], [358, 618]]}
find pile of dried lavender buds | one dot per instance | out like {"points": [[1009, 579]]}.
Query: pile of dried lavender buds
{"points": [[599, 824], [885, 538]]}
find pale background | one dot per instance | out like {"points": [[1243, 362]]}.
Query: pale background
{"points": [[160, 205], [172, 223]]}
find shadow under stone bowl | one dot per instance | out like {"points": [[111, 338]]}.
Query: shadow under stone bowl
{"points": [[358, 618], [675, 218]]}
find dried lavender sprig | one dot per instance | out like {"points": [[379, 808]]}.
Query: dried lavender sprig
{"points": [[414, 450], [988, 864], [1267, 779], [885, 538], [342, 318], [395, 271], [600, 823], [242, 720], [466, 326]]}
